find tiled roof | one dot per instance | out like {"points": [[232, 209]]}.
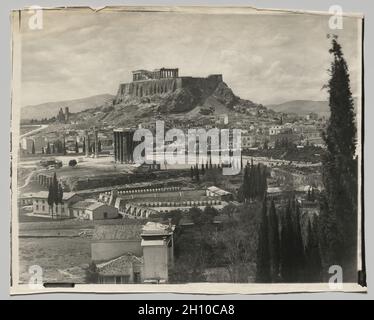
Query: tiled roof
{"points": [[156, 228], [118, 232], [88, 204], [218, 191], [119, 266], [44, 195]]}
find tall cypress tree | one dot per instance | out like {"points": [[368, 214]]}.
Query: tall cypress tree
{"points": [[274, 242], [33, 148], [338, 221], [50, 198], [299, 246], [55, 191], [197, 173], [313, 265], [60, 195], [64, 147], [287, 250], [246, 186], [263, 270]]}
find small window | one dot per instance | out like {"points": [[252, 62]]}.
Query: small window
{"points": [[37, 207], [105, 215]]}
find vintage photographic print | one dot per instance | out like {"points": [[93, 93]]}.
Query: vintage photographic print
{"points": [[186, 149]]}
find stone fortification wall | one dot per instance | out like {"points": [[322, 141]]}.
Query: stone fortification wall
{"points": [[160, 86]]}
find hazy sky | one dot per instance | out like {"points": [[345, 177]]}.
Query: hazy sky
{"points": [[264, 58]]}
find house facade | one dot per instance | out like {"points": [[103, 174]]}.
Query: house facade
{"points": [[133, 253], [93, 210], [41, 207]]}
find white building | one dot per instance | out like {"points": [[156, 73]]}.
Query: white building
{"points": [[41, 206], [93, 210]]}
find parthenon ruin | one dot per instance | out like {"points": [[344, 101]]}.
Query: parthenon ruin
{"points": [[163, 73], [164, 80]]}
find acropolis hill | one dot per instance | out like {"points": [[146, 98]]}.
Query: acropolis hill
{"points": [[164, 80]]}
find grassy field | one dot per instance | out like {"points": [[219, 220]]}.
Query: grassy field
{"points": [[62, 259]]}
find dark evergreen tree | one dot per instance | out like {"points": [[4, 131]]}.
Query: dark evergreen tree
{"points": [[60, 195], [84, 145], [299, 257], [33, 148], [287, 247], [202, 169], [50, 198], [48, 151], [42, 150], [192, 173], [309, 195], [312, 195], [313, 265], [55, 190], [197, 173], [246, 184], [76, 147], [53, 148], [338, 221], [263, 268], [99, 146], [274, 242], [64, 147]]}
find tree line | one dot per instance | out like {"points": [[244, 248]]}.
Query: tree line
{"points": [[254, 185], [55, 195], [284, 252]]}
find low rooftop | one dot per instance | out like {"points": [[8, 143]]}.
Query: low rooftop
{"points": [[89, 204], [44, 195], [118, 266]]}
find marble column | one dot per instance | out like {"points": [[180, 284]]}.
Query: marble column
{"points": [[96, 143], [87, 143]]}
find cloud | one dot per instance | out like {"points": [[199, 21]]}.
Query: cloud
{"points": [[265, 58]]}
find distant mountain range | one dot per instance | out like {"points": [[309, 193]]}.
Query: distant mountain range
{"points": [[302, 107], [50, 109]]}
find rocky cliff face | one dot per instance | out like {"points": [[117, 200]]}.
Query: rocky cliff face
{"points": [[186, 99], [224, 95], [195, 98]]}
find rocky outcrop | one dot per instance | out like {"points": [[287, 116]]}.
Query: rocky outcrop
{"points": [[225, 95], [182, 100]]}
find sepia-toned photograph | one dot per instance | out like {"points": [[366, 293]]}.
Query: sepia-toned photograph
{"points": [[186, 149]]}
